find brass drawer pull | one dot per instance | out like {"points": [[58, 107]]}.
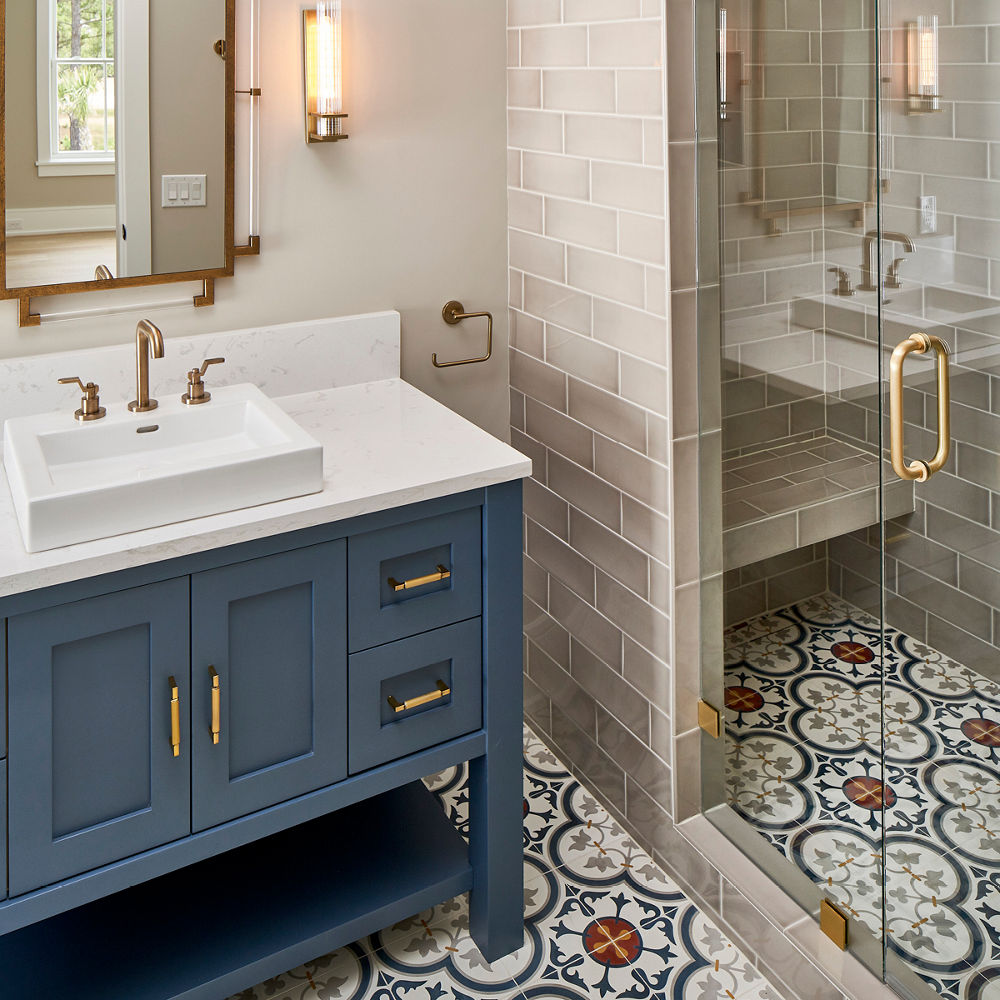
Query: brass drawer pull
{"points": [[216, 705], [919, 343], [442, 691], [175, 717], [420, 581]]}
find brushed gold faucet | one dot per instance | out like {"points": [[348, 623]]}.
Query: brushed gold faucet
{"points": [[148, 339], [869, 267]]}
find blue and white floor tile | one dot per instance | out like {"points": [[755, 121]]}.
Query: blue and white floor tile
{"points": [[601, 921], [804, 751]]}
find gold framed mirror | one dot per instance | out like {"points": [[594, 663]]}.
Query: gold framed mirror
{"points": [[117, 161]]}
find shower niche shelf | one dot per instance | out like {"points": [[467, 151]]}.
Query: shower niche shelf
{"points": [[801, 492]]}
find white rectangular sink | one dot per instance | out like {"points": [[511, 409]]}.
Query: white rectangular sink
{"points": [[74, 482]]}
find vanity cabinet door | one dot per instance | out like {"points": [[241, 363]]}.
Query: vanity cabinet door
{"points": [[3, 688], [269, 647], [92, 770]]}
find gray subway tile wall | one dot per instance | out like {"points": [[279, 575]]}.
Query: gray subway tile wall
{"points": [[623, 456], [590, 392], [940, 560]]}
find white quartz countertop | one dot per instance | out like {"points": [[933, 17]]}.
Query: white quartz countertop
{"points": [[385, 444]]}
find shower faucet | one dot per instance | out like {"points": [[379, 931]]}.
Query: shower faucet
{"points": [[869, 266]]}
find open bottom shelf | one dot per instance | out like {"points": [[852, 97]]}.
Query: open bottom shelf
{"points": [[231, 921]]}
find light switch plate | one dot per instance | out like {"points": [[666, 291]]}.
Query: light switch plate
{"points": [[194, 184]]}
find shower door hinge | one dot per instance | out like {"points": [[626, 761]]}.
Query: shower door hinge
{"points": [[709, 719], [833, 923]]}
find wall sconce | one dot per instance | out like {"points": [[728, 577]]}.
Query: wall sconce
{"points": [[723, 68], [923, 89], [321, 38]]}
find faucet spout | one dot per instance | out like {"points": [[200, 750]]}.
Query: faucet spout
{"points": [[148, 340], [869, 262], [900, 238]]}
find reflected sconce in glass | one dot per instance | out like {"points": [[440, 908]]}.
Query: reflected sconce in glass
{"points": [[723, 68], [322, 37], [923, 67]]}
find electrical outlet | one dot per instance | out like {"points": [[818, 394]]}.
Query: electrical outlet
{"points": [[928, 214]]}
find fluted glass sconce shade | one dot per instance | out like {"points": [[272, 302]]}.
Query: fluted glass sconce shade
{"points": [[922, 65], [723, 67], [323, 44]]}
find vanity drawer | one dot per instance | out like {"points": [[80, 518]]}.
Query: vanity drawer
{"points": [[438, 674], [414, 577]]}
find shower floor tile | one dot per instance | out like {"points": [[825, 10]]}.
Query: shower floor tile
{"points": [[601, 921], [804, 767]]}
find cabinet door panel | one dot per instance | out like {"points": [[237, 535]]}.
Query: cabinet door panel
{"points": [[3, 688], [93, 776], [3, 837], [274, 631]]}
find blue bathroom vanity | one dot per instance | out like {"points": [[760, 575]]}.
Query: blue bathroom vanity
{"points": [[213, 750]]}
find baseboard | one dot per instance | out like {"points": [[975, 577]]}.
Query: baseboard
{"points": [[61, 219]]}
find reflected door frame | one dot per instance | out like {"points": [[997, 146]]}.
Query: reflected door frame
{"points": [[132, 160]]}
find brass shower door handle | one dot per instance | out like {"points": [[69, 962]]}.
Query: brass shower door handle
{"points": [[454, 312], [920, 471]]}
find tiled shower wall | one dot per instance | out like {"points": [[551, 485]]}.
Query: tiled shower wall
{"points": [[589, 390], [613, 655], [943, 561], [785, 96], [794, 147]]}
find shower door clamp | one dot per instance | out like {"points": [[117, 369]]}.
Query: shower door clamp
{"points": [[833, 923], [709, 719]]}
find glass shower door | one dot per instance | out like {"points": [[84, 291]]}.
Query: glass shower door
{"points": [[849, 330], [939, 271], [791, 352]]}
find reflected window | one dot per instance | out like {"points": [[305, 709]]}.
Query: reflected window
{"points": [[76, 85]]}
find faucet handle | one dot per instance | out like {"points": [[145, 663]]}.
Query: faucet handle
{"points": [[206, 363], [90, 404], [843, 281], [892, 276], [196, 387]]}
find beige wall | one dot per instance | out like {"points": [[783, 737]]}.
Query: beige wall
{"points": [[25, 189], [408, 213], [188, 109]]}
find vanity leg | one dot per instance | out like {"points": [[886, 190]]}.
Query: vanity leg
{"points": [[496, 902]]}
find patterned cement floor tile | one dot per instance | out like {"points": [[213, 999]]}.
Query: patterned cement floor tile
{"points": [[805, 732], [601, 921]]}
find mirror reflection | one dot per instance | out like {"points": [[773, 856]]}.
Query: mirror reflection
{"points": [[115, 161]]}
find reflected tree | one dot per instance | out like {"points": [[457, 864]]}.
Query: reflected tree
{"points": [[84, 30]]}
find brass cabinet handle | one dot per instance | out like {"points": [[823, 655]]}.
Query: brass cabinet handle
{"points": [[441, 691], [216, 705], [175, 717], [419, 581], [919, 343]]}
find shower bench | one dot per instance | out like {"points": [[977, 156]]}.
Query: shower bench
{"points": [[801, 492]]}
